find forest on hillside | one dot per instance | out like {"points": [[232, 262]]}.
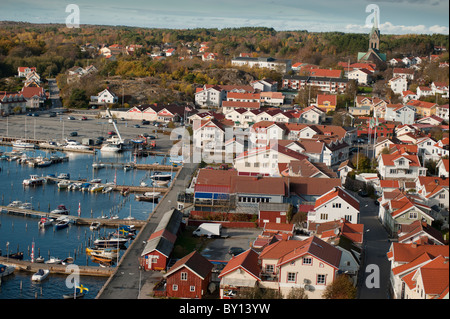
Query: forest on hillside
{"points": [[53, 49]]}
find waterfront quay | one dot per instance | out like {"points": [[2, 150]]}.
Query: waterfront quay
{"points": [[74, 219], [32, 267]]}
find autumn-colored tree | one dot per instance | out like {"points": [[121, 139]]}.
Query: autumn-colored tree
{"points": [[341, 288]]}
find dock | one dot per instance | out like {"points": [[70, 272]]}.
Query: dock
{"points": [[26, 265], [74, 219], [41, 144]]}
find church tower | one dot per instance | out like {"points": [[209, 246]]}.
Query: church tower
{"points": [[373, 54]]}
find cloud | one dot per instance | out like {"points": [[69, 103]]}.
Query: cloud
{"points": [[389, 28]]}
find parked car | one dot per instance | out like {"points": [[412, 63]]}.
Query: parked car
{"points": [[71, 118], [52, 114], [73, 133], [137, 126], [145, 122], [112, 133], [234, 251], [84, 118]]}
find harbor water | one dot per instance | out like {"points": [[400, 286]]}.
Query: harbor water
{"points": [[20, 234]]}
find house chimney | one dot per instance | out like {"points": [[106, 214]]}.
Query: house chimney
{"points": [[414, 245]]}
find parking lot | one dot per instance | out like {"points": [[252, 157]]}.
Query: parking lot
{"points": [[217, 249]]}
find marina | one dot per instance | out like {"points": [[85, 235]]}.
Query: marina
{"points": [[29, 213]]}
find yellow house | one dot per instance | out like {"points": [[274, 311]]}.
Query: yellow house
{"points": [[423, 108], [327, 102]]}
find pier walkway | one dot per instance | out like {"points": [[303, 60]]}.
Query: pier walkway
{"points": [[26, 265], [75, 219]]}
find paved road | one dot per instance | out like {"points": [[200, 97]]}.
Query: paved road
{"points": [[125, 283], [376, 245]]}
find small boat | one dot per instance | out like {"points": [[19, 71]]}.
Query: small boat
{"points": [[40, 275], [125, 191], [107, 189], [110, 241], [15, 203], [6, 270], [53, 260], [96, 188], [85, 187], [148, 196], [18, 255], [67, 261], [26, 206], [111, 147], [158, 176], [127, 167], [63, 223], [64, 176], [44, 163], [103, 254], [63, 184], [95, 180], [33, 181], [44, 222], [77, 295], [98, 165], [74, 145], [95, 225], [61, 210], [161, 183], [39, 260], [22, 144]]}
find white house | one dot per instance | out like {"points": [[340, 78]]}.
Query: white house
{"points": [[279, 65], [424, 91], [398, 84], [443, 167], [335, 205], [23, 71], [210, 96], [440, 88], [362, 76], [443, 112], [400, 113], [105, 96], [408, 74], [311, 115], [265, 85], [396, 166]]}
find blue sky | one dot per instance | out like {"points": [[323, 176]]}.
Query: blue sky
{"points": [[396, 16]]}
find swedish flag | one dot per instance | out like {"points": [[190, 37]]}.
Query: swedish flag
{"points": [[82, 288]]}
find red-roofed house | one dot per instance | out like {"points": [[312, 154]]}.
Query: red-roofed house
{"points": [[419, 271], [443, 167], [327, 102], [35, 96], [23, 71], [311, 264], [400, 166], [423, 108], [335, 205], [325, 73], [241, 272], [189, 277]]}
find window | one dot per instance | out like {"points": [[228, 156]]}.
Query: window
{"points": [[336, 205], [184, 276], [324, 216], [321, 279], [175, 287], [307, 261], [348, 218], [269, 268], [291, 277], [413, 215], [192, 288]]}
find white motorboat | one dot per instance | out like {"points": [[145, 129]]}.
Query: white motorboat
{"points": [[107, 189], [74, 145], [61, 210], [64, 176], [148, 196], [53, 260], [63, 184], [33, 181], [44, 222], [111, 147], [160, 177], [98, 165], [15, 203], [95, 225], [22, 144], [63, 223], [40, 275], [103, 253], [110, 242], [26, 206], [6, 270]]}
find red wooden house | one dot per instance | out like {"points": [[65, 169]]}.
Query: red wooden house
{"points": [[189, 277], [159, 246], [272, 213]]}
